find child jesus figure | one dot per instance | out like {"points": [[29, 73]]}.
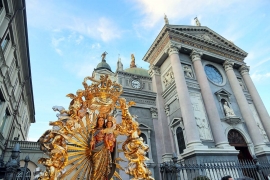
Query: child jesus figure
{"points": [[109, 137]]}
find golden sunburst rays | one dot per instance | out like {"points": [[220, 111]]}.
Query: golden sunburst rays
{"points": [[79, 163]]}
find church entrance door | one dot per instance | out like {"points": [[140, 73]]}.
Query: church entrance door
{"points": [[237, 140]]}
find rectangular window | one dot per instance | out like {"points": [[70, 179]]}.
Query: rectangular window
{"points": [[5, 42], [3, 120], [149, 86], [127, 82], [11, 67]]}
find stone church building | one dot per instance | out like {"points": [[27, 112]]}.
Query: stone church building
{"points": [[196, 101]]}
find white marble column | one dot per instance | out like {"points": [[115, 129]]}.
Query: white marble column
{"points": [[263, 114], [243, 105], [209, 102], [192, 133], [162, 131]]}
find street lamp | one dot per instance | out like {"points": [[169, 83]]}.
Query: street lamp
{"points": [[13, 164]]}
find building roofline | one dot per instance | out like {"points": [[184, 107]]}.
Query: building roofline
{"points": [[28, 59], [178, 28]]}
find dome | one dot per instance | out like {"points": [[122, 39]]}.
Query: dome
{"points": [[103, 65], [137, 71]]}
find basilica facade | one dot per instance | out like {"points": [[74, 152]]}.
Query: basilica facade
{"points": [[207, 104], [196, 101]]}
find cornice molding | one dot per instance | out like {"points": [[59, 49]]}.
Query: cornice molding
{"points": [[175, 34]]}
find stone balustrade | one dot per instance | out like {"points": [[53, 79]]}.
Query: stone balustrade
{"points": [[25, 145]]}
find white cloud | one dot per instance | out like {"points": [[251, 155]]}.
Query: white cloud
{"points": [[95, 46], [56, 42], [79, 39], [154, 10], [103, 28], [83, 69], [259, 77], [59, 51], [57, 19]]}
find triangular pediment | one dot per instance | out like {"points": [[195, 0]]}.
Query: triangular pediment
{"points": [[207, 35], [222, 92], [143, 126]]}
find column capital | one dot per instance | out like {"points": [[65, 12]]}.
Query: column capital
{"points": [[173, 48], [153, 70], [195, 55], [228, 65], [244, 69]]}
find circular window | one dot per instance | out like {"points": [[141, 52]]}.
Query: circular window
{"points": [[213, 74]]}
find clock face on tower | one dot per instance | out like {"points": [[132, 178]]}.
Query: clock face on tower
{"points": [[136, 84]]}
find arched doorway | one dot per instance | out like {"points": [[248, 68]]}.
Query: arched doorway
{"points": [[237, 140]]}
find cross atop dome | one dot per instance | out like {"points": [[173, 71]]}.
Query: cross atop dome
{"points": [[103, 55]]}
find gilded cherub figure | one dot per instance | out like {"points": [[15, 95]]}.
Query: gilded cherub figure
{"points": [[124, 106], [76, 103]]}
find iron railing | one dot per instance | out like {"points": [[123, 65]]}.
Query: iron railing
{"points": [[215, 170]]}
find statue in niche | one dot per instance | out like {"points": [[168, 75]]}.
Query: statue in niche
{"points": [[262, 131], [228, 111], [203, 128], [241, 84], [187, 71]]}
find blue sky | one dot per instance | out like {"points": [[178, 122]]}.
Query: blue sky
{"points": [[66, 39]]}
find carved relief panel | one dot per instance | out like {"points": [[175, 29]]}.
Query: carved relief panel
{"points": [[188, 71], [241, 83], [168, 78], [258, 122], [200, 116]]}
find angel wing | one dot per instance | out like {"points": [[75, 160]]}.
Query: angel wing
{"points": [[72, 96]]}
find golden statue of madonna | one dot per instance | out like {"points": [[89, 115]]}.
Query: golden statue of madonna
{"points": [[82, 143]]}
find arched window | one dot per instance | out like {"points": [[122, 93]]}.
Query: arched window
{"points": [[142, 135], [180, 140]]}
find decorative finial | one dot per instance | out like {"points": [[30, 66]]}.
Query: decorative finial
{"points": [[119, 64], [166, 19], [132, 64], [103, 55], [119, 59], [197, 21]]}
